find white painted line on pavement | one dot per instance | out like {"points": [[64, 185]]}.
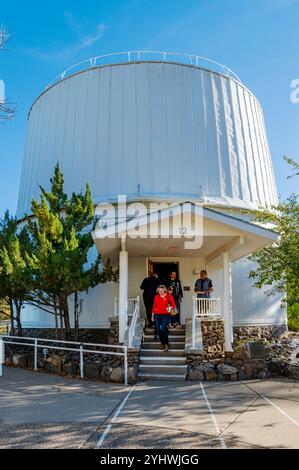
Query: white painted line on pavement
{"points": [[222, 441], [271, 403], [113, 419], [281, 411]]}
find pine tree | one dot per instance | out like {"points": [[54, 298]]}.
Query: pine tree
{"points": [[61, 237]]}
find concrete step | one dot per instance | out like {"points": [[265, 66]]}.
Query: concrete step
{"points": [[171, 337], [163, 368], [173, 332], [160, 376], [156, 345], [158, 352], [162, 360]]}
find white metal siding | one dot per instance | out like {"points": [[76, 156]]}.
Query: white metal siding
{"points": [[97, 308], [250, 305], [178, 131]]}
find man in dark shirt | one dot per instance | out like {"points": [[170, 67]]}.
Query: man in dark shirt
{"points": [[203, 286], [177, 293], [149, 286]]}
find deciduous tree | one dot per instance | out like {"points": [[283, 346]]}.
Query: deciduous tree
{"points": [[278, 264], [15, 272]]}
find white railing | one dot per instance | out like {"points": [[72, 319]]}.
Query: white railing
{"points": [[204, 308], [132, 326], [149, 56], [80, 348], [131, 307]]}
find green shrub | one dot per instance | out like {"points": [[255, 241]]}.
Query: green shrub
{"points": [[293, 317]]}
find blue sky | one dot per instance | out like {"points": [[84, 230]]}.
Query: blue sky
{"points": [[258, 39]]}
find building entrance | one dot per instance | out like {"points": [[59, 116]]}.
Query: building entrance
{"points": [[163, 269]]}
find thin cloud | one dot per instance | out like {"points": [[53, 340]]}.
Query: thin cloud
{"points": [[85, 40], [63, 51]]}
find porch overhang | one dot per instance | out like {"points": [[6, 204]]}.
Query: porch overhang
{"points": [[219, 233]]}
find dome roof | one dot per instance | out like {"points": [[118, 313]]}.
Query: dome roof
{"points": [[150, 129]]}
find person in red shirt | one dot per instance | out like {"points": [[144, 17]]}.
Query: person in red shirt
{"points": [[163, 303]]}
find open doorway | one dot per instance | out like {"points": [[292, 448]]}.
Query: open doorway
{"points": [[163, 269]]}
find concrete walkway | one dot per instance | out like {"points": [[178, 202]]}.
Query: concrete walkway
{"points": [[38, 410]]}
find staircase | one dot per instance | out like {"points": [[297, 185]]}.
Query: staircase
{"points": [[160, 365]]}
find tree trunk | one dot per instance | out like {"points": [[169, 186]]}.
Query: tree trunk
{"points": [[12, 324], [18, 306], [76, 316], [61, 324], [66, 319], [56, 318]]}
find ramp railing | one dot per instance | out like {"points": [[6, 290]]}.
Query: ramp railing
{"points": [[132, 326], [72, 346]]}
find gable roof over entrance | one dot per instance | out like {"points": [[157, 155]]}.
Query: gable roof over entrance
{"points": [[163, 233]]}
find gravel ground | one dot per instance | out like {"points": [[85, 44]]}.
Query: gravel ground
{"points": [[126, 436], [45, 436]]}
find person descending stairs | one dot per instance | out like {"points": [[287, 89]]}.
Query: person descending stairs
{"points": [[156, 364]]}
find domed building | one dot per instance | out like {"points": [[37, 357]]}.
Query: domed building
{"points": [[175, 149]]}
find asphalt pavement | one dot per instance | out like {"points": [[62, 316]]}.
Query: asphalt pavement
{"points": [[39, 410]]}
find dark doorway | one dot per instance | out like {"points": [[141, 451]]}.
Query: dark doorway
{"points": [[164, 269]]}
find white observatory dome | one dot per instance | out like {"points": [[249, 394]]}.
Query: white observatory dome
{"points": [[150, 129]]}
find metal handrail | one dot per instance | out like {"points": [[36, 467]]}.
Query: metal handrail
{"points": [[136, 315], [131, 306], [80, 350], [149, 56]]}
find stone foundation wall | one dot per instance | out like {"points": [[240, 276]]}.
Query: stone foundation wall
{"points": [[213, 338], [278, 358], [269, 332], [227, 369], [86, 335], [280, 355], [113, 336]]}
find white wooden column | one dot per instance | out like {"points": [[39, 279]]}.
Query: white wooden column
{"points": [[123, 291], [227, 303]]}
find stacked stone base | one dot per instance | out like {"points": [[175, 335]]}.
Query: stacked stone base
{"points": [[281, 355], [227, 370], [213, 338], [278, 358], [268, 332]]}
